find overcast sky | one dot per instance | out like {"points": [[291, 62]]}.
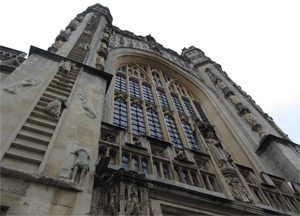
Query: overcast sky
{"points": [[256, 42]]}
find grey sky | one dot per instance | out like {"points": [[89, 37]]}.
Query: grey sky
{"points": [[256, 42]]}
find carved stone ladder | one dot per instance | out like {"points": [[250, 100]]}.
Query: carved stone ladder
{"points": [[30, 144]]}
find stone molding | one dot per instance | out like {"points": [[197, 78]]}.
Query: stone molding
{"points": [[42, 179]]}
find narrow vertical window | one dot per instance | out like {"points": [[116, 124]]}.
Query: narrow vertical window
{"points": [[137, 120], [201, 113], [184, 176], [194, 179], [156, 165], [189, 108], [154, 125], [166, 172], [163, 99], [120, 113], [135, 164], [177, 104], [148, 96], [189, 134], [144, 166], [120, 84], [134, 88], [125, 161], [173, 132]]}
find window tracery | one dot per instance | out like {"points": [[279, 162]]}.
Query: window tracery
{"points": [[137, 80]]}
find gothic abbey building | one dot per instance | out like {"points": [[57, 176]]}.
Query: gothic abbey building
{"points": [[106, 122]]}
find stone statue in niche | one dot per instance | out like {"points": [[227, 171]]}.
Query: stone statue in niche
{"points": [[87, 105], [31, 81], [56, 107], [131, 206], [65, 66], [237, 189], [81, 166], [180, 154], [223, 157], [112, 205]]}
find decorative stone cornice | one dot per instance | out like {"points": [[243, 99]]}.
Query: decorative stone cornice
{"points": [[243, 111], [250, 100]]}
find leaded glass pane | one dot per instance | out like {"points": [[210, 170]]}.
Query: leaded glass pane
{"points": [[120, 113], [177, 104], [148, 96], [137, 120], [173, 132], [163, 99], [190, 135], [134, 89], [189, 108], [120, 84], [154, 125], [201, 113]]}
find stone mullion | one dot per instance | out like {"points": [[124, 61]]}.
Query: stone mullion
{"points": [[162, 174], [200, 179], [208, 182], [130, 164], [189, 177], [146, 119], [130, 138], [194, 108], [140, 168], [243, 111]]}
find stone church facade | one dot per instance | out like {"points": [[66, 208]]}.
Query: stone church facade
{"points": [[106, 122]]}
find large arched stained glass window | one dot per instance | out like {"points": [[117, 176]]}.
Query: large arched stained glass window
{"points": [[149, 86]]}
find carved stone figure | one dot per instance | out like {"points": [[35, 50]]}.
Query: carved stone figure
{"points": [[87, 106], [112, 205], [180, 154], [81, 166], [88, 33], [250, 119], [31, 81], [237, 189], [65, 66], [56, 46], [234, 99], [99, 62], [84, 46], [223, 157], [56, 107]]}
